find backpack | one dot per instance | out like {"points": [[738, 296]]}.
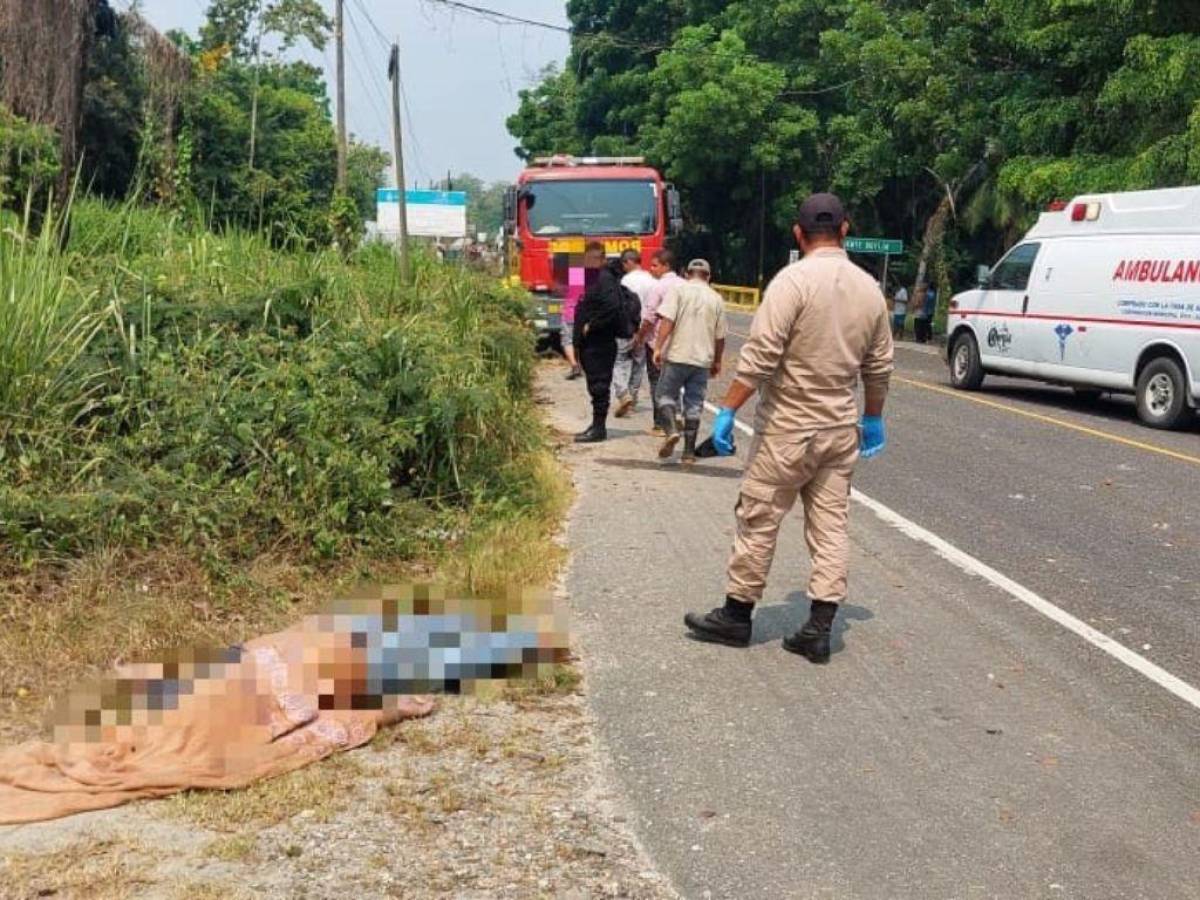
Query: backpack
{"points": [[629, 319]]}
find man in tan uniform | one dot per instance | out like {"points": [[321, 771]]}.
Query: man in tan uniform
{"points": [[823, 325]]}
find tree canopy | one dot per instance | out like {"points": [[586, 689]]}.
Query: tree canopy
{"points": [[948, 123]]}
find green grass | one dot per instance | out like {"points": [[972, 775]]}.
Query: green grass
{"points": [[48, 320], [162, 383]]}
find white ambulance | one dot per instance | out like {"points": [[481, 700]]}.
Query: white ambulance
{"points": [[1103, 294]]}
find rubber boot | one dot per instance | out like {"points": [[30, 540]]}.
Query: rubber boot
{"points": [[812, 640], [657, 429], [596, 434], [729, 624], [672, 434], [691, 430]]}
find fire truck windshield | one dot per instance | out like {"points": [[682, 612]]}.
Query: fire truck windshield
{"points": [[591, 207]]}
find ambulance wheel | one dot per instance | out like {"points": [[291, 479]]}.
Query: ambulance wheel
{"points": [[966, 370], [1162, 394]]}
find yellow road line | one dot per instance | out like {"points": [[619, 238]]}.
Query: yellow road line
{"points": [[1050, 420]]}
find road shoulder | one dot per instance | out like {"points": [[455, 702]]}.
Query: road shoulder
{"points": [[959, 745]]}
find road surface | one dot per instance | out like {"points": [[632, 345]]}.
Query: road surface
{"points": [[974, 735]]}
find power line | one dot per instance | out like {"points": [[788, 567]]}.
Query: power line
{"points": [[383, 39], [374, 95], [499, 17], [379, 102], [418, 152]]}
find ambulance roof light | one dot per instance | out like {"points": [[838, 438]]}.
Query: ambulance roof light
{"points": [[1085, 212]]}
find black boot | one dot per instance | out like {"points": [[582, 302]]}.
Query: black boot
{"points": [[729, 624], [672, 435], [597, 433], [575, 372], [812, 640], [691, 429]]}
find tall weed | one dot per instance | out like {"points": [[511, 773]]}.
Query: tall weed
{"points": [[244, 398], [48, 319]]}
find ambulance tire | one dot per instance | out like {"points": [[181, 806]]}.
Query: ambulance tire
{"points": [[966, 369], [1162, 394]]}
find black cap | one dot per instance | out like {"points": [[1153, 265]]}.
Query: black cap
{"points": [[821, 212]]}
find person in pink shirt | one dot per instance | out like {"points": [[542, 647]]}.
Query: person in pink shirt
{"points": [[662, 267], [567, 336]]}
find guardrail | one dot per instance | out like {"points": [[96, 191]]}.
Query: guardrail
{"points": [[740, 297]]}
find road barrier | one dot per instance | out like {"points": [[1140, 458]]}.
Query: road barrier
{"points": [[739, 297]]}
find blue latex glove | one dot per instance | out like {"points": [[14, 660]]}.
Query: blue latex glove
{"points": [[873, 436], [722, 436]]}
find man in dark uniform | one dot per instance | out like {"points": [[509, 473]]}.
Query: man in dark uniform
{"points": [[596, 320]]}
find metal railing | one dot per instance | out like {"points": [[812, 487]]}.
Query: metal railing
{"points": [[740, 297]]}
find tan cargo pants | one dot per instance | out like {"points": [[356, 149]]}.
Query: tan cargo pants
{"points": [[817, 467]]}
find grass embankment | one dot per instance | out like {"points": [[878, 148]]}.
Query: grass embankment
{"points": [[203, 436]]}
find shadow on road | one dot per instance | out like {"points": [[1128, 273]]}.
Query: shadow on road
{"points": [[650, 465], [773, 623]]}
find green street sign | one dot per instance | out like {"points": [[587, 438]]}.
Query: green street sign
{"points": [[876, 246]]}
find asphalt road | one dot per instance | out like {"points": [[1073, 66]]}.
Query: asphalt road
{"points": [[961, 744], [1043, 486]]}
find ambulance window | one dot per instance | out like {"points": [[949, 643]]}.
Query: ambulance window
{"points": [[1013, 273]]}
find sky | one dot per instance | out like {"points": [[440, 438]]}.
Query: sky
{"points": [[461, 75]]}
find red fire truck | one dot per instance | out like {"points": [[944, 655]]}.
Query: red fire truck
{"points": [[561, 203]]}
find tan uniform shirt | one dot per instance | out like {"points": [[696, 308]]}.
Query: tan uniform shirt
{"points": [[822, 324], [699, 316]]}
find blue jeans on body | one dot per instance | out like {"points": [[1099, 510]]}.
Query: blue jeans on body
{"points": [[692, 380]]}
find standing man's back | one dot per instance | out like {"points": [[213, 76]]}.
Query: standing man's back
{"points": [[822, 325], [690, 344]]}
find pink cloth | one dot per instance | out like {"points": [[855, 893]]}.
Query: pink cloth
{"points": [[576, 286], [255, 718]]}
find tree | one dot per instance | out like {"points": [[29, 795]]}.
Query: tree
{"points": [[366, 169], [291, 185], [948, 123], [545, 120], [240, 25]]}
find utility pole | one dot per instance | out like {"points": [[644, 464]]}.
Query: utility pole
{"points": [[339, 36], [398, 144]]}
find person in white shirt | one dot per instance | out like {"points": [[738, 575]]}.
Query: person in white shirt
{"points": [[631, 352], [899, 311], [662, 267]]}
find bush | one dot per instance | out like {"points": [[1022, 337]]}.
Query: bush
{"points": [[243, 398], [28, 161]]}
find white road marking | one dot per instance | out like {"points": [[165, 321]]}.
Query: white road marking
{"points": [[973, 566]]}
